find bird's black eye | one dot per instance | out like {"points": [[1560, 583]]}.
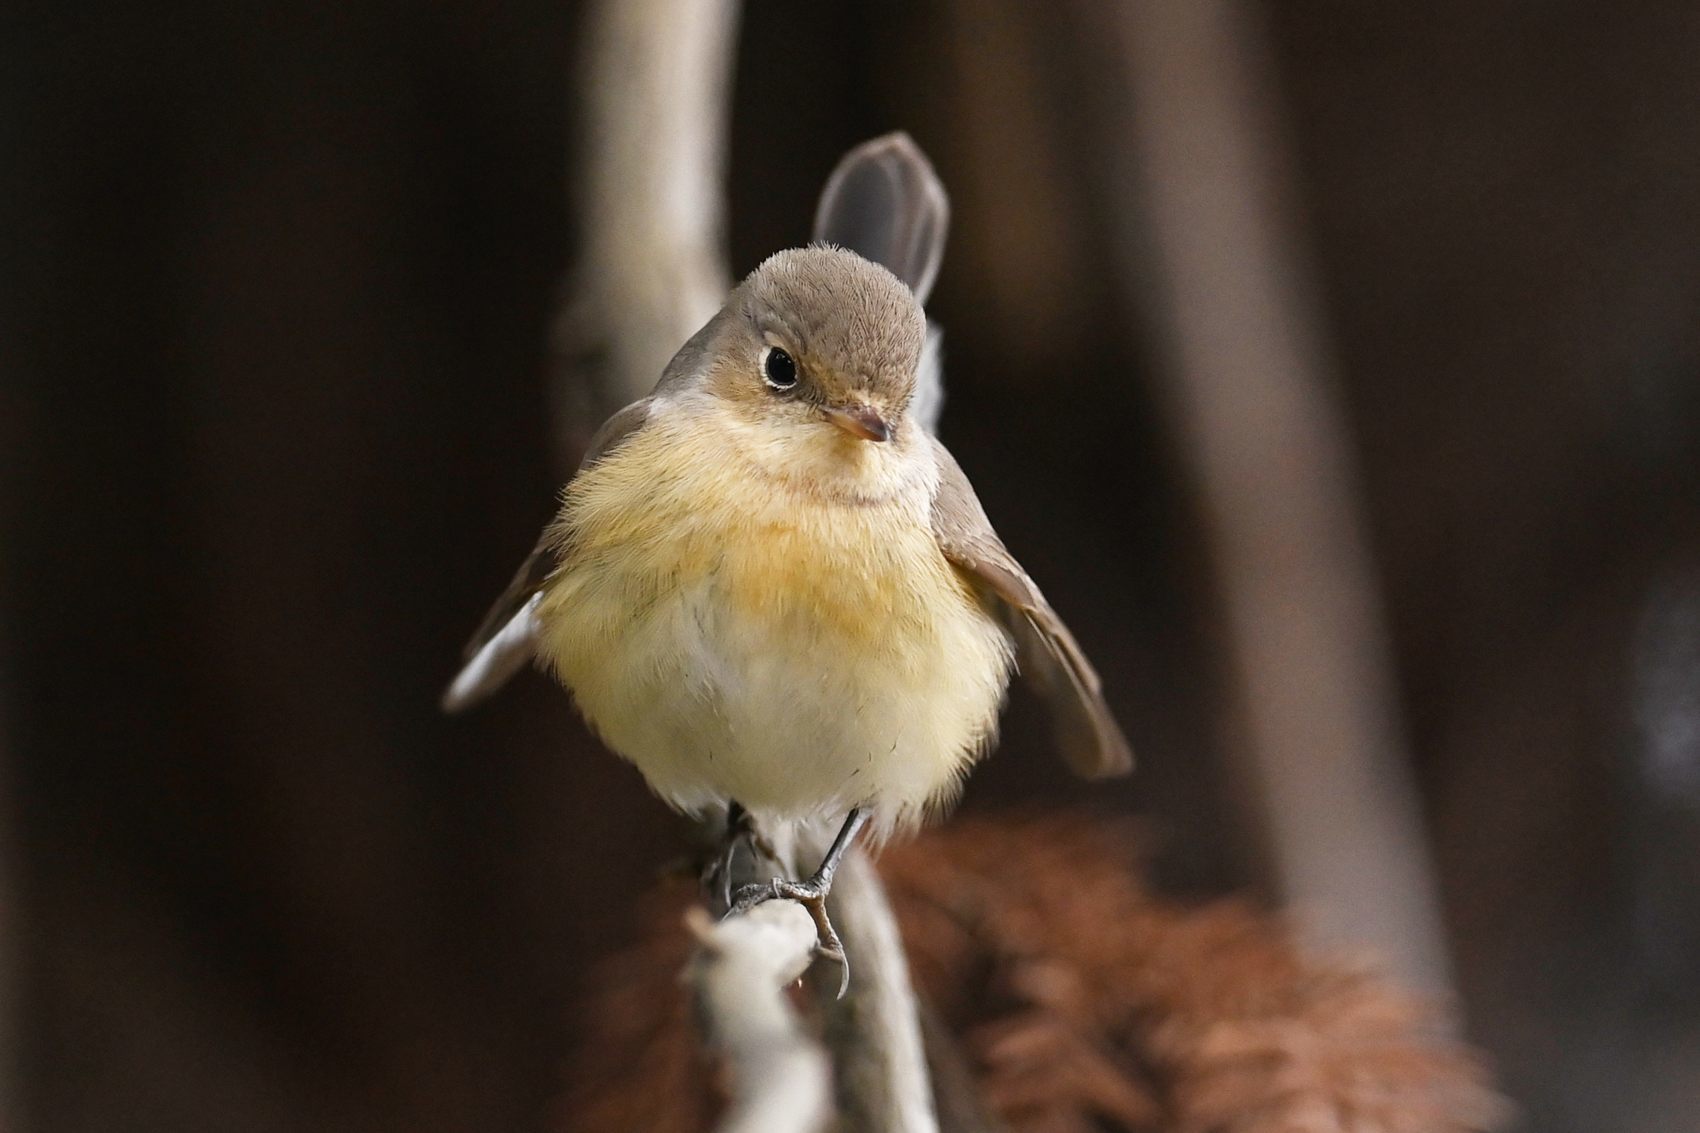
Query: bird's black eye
{"points": [[778, 369]]}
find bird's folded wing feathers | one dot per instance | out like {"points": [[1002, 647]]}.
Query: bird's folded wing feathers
{"points": [[506, 639], [1091, 740]]}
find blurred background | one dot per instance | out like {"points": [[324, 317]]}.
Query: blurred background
{"points": [[276, 423]]}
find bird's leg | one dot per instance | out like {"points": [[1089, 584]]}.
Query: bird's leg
{"points": [[740, 828], [812, 894], [740, 822], [717, 878]]}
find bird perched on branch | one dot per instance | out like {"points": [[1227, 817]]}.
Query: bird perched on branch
{"points": [[769, 586]]}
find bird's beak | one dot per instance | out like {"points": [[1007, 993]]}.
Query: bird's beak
{"points": [[860, 419]]}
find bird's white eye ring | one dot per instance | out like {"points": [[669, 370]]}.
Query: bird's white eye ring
{"points": [[778, 369]]}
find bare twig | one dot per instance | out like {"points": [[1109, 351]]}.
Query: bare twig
{"points": [[779, 1077], [875, 1030]]}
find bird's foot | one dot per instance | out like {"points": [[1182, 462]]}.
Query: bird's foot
{"points": [[810, 894]]}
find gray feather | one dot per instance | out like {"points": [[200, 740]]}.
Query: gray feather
{"points": [[885, 203], [1087, 733]]}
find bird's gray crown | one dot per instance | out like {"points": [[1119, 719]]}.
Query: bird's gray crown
{"points": [[851, 323]]}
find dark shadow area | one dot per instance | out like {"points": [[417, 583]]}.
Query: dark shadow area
{"points": [[273, 324]]}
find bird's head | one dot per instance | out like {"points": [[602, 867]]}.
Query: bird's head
{"points": [[815, 362]]}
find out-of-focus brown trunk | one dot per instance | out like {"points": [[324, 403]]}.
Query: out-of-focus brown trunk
{"points": [[1315, 734]]}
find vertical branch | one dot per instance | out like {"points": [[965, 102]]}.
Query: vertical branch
{"points": [[875, 1031], [1310, 671], [874, 1035], [656, 90]]}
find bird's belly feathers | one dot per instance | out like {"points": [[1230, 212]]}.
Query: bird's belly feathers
{"points": [[799, 656]]}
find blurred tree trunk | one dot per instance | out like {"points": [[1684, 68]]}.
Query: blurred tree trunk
{"points": [[1316, 730]]}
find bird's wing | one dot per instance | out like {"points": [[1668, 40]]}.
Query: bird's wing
{"points": [[1090, 738], [506, 639]]}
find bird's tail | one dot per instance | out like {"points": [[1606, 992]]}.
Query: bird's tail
{"points": [[885, 203]]}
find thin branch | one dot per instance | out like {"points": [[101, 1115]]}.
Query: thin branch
{"points": [[875, 1030], [780, 1080]]}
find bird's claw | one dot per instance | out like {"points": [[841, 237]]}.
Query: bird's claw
{"points": [[811, 895]]}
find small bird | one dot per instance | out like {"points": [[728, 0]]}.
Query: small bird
{"points": [[769, 586]]}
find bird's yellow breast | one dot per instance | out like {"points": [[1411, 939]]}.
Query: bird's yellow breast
{"points": [[738, 635]]}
